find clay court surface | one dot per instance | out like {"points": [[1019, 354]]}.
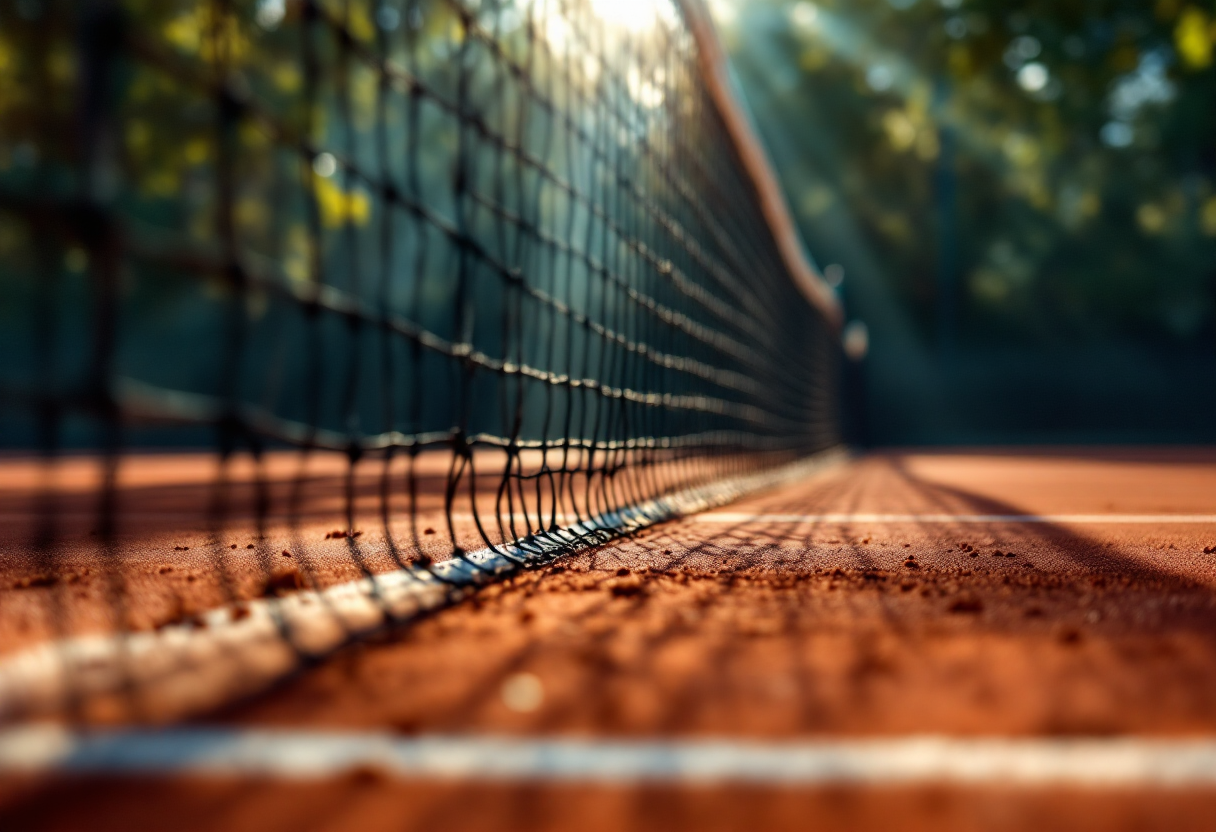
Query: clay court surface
{"points": [[1014, 594]]}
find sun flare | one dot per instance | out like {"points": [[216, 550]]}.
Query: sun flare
{"points": [[631, 15]]}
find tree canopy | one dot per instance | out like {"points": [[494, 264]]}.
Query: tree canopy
{"points": [[1026, 175]]}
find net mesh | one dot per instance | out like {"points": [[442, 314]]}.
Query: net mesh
{"points": [[454, 273]]}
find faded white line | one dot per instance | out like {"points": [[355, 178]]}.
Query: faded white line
{"points": [[1154, 519], [304, 755]]}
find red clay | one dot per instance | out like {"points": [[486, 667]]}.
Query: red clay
{"points": [[187, 536], [366, 802], [778, 630]]}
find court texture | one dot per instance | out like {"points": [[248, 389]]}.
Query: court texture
{"points": [[919, 639], [422, 414]]}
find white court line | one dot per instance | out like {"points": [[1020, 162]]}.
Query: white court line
{"points": [[728, 517], [304, 755]]}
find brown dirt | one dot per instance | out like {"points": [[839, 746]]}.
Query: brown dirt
{"points": [[773, 629], [186, 539], [368, 803]]}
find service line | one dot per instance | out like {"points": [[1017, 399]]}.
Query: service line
{"points": [[1063, 519], [305, 755]]}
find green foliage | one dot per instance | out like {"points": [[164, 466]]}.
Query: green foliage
{"points": [[1027, 172]]}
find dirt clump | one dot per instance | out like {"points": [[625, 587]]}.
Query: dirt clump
{"points": [[966, 604], [283, 582], [626, 587]]}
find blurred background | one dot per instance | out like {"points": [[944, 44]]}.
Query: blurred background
{"points": [[1018, 199], [211, 207], [1015, 200]]}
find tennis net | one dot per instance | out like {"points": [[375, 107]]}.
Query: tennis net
{"points": [[452, 286]]}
